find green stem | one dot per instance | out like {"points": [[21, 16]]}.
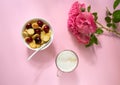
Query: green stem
{"points": [[113, 31]]}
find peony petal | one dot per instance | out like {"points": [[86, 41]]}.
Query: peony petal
{"points": [[88, 25], [75, 9], [83, 38], [90, 18]]}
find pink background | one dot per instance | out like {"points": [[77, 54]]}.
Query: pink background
{"points": [[98, 65]]}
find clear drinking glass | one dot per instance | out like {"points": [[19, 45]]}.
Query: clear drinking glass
{"points": [[66, 61]]}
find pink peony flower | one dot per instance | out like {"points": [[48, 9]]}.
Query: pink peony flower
{"points": [[81, 24]]}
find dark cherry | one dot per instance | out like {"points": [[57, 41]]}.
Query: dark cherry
{"points": [[37, 40], [46, 28], [29, 40], [40, 23], [28, 26], [37, 31]]}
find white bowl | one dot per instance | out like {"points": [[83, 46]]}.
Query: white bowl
{"points": [[44, 46]]}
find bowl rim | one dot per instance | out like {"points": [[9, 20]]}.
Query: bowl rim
{"points": [[51, 38], [74, 67]]}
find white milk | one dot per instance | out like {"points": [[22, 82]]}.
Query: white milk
{"points": [[67, 61]]}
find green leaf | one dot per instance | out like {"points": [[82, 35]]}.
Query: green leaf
{"points": [[95, 16], [116, 16], [108, 19], [90, 44], [93, 40], [108, 13], [89, 8], [116, 3], [82, 9], [99, 31], [109, 24], [114, 26]]}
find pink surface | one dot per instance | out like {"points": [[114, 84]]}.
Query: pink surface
{"points": [[98, 65]]}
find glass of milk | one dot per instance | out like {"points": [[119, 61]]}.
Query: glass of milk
{"points": [[66, 61]]}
